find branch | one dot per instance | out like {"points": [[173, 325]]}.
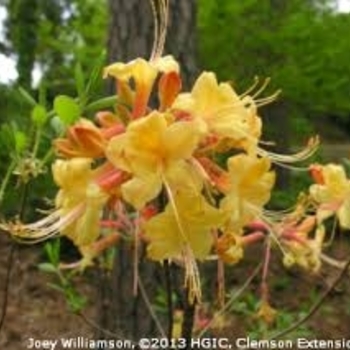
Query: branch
{"points": [[150, 308], [316, 306]]}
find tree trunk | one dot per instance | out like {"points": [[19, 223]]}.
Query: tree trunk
{"points": [[131, 36], [278, 112], [131, 33]]}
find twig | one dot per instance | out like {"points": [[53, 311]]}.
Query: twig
{"points": [[104, 331], [316, 306], [234, 297], [150, 308]]}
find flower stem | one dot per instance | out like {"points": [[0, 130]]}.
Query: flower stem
{"points": [[6, 179]]}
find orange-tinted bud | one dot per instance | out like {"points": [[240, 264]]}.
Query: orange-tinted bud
{"points": [[169, 87], [149, 211], [83, 139], [217, 175], [317, 173], [106, 119]]}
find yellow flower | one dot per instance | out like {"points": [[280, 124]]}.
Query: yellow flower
{"points": [[229, 248], [144, 74], [305, 252], [154, 151], [141, 70], [332, 192], [248, 189], [79, 203], [190, 223], [221, 111], [78, 190]]}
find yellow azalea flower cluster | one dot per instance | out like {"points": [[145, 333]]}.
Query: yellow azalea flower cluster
{"points": [[160, 162], [331, 192]]}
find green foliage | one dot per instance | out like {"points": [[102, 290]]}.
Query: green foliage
{"points": [[63, 38], [22, 32], [258, 329], [64, 280], [301, 45], [39, 115], [67, 109]]}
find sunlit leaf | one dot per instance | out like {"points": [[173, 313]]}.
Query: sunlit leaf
{"points": [[39, 115], [67, 109]]}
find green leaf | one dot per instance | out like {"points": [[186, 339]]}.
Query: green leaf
{"points": [[47, 267], [76, 302], [103, 103], [52, 250], [79, 81], [7, 139], [67, 109], [20, 141], [56, 287], [95, 76], [26, 95], [42, 94], [39, 115], [57, 125]]}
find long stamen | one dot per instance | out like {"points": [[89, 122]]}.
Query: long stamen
{"points": [[155, 29], [251, 88], [304, 154], [267, 100], [160, 11], [46, 228], [164, 15], [264, 85], [192, 277], [272, 233]]}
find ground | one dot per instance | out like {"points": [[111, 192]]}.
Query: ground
{"points": [[37, 311]]}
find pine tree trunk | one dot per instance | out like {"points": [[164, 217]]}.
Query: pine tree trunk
{"points": [[131, 36]]}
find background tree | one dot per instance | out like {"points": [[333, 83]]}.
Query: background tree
{"points": [[131, 36], [299, 44]]}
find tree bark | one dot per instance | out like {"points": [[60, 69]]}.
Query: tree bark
{"points": [[131, 33], [131, 36], [278, 112]]}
